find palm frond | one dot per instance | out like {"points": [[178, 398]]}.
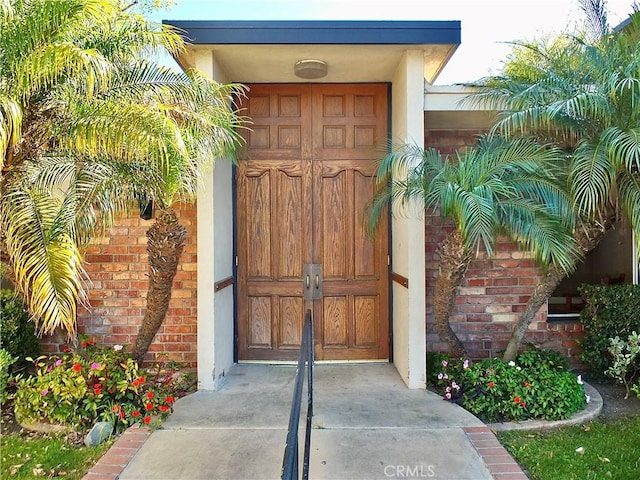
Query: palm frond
{"points": [[591, 178], [6, 11], [623, 148], [10, 126], [541, 232], [629, 197], [44, 259], [497, 186]]}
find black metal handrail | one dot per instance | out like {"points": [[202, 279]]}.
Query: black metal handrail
{"points": [[290, 460]]}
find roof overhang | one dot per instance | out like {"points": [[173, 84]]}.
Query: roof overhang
{"points": [[355, 51]]}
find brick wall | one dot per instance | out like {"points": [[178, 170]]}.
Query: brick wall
{"points": [[494, 290], [117, 266]]}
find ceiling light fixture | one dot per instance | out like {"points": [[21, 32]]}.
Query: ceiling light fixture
{"points": [[310, 69]]}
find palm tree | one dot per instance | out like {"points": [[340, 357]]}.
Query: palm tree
{"points": [[496, 188], [88, 123], [583, 94]]}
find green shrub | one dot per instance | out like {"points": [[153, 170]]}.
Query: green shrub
{"points": [[17, 333], [610, 310], [96, 384], [5, 362], [626, 360], [536, 385]]}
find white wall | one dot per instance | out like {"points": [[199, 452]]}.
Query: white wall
{"points": [[409, 330], [215, 261]]}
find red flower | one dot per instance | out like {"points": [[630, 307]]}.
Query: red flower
{"points": [[77, 367], [149, 406], [97, 390], [149, 395], [84, 344], [147, 420], [142, 380], [115, 408], [523, 404], [516, 399], [136, 383], [164, 408], [65, 349], [135, 413], [169, 400], [122, 414], [492, 384], [527, 384], [91, 342]]}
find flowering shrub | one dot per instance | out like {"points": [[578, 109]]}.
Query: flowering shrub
{"points": [[93, 384], [626, 361], [536, 385]]}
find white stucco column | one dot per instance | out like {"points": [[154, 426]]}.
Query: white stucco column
{"points": [[408, 241], [215, 261]]}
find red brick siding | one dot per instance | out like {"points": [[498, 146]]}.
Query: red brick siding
{"points": [[117, 266], [494, 290]]}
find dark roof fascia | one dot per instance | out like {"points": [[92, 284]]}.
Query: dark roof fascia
{"points": [[622, 25], [316, 32]]}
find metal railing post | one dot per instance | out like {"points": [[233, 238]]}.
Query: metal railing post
{"points": [[290, 460]]}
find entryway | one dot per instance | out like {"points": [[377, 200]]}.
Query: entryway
{"points": [[302, 187], [366, 425]]}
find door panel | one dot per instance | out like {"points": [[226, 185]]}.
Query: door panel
{"points": [[302, 189]]}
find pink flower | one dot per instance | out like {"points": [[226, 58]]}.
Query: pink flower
{"points": [[44, 392], [444, 363], [58, 362], [448, 396], [440, 376], [465, 364], [117, 348], [95, 366]]}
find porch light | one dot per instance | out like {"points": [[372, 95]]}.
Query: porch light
{"points": [[310, 69]]}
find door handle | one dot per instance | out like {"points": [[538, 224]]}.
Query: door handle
{"points": [[312, 270]]}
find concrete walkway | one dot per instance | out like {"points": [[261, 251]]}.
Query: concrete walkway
{"points": [[367, 425]]}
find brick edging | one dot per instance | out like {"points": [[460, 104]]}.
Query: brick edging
{"points": [[114, 461], [497, 459]]}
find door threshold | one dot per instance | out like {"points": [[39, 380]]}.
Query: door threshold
{"points": [[317, 362]]}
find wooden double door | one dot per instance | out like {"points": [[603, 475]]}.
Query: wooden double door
{"points": [[302, 187]]}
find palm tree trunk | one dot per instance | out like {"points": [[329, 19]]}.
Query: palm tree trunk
{"points": [[454, 261], [588, 237], [166, 240]]}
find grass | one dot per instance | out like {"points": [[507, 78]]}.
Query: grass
{"points": [[611, 450], [47, 456]]}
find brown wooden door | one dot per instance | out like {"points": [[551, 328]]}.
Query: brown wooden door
{"points": [[302, 188]]}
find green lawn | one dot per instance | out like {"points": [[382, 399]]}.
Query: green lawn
{"points": [[29, 458], [611, 450]]}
